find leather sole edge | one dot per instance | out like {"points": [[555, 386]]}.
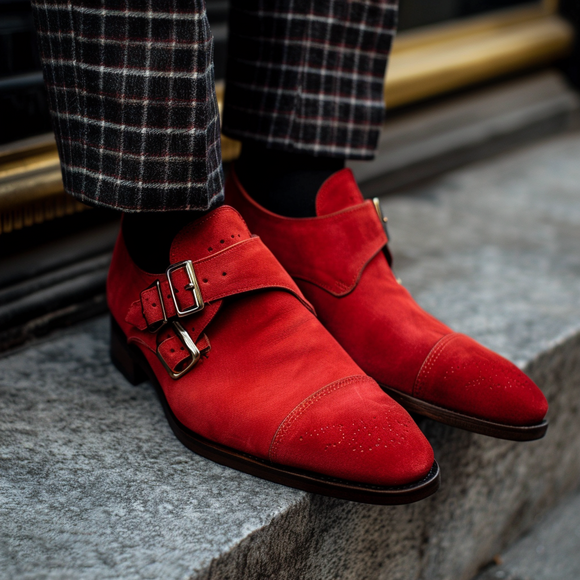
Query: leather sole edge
{"points": [[465, 422], [131, 362]]}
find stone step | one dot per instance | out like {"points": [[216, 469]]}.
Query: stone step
{"points": [[549, 552], [94, 485]]}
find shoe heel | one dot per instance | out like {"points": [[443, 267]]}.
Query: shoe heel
{"points": [[122, 357]]}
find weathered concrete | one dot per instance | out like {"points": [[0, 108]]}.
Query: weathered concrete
{"points": [[94, 485], [551, 551]]}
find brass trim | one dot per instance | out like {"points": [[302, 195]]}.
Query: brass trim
{"points": [[28, 179], [424, 63], [36, 212], [434, 60], [465, 28], [231, 148]]}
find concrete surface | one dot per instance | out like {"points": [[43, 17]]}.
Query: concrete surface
{"points": [[94, 485], [551, 551]]}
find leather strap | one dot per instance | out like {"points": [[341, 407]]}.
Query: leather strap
{"points": [[194, 325], [169, 346], [334, 249], [243, 267]]}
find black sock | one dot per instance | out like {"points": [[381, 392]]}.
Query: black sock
{"points": [[148, 236], [284, 183]]}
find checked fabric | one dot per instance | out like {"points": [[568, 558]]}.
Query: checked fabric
{"points": [[132, 92], [308, 75]]}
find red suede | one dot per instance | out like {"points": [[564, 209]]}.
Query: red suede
{"points": [[347, 422], [375, 318], [459, 369], [270, 370]]}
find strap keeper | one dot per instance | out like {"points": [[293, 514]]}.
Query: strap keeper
{"points": [[153, 328]]}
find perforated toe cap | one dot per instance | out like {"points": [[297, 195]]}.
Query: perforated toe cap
{"points": [[351, 430], [464, 376]]}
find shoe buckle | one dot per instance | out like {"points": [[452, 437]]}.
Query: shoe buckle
{"points": [[384, 219], [189, 345], [193, 286]]}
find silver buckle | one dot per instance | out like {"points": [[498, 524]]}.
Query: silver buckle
{"points": [[189, 345], [193, 286]]}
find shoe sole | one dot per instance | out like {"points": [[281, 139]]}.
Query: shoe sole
{"points": [[455, 419], [131, 362]]}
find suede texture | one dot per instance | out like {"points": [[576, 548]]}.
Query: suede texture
{"points": [[479, 382], [375, 318], [269, 370]]}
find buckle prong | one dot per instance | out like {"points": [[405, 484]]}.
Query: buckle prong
{"points": [[193, 286]]}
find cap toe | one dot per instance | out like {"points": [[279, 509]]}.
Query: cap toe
{"points": [[352, 430], [462, 375]]}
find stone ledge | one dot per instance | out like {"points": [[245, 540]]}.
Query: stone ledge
{"points": [[94, 485]]}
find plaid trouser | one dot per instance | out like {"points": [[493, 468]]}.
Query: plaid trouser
{"points": [[132, 97]]}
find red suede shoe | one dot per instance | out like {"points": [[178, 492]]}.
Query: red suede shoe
{"points": [[249, 377], [341, 263]]}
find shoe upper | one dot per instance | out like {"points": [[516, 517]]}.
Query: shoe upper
{"points": [[340, 261], [271, 381]]}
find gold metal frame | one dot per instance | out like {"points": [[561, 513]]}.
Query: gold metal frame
{"points": [[424, 63], [434, 60], [31, 189]]}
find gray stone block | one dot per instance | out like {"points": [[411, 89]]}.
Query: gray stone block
{"points": [[94, 485], [551, 551]]}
